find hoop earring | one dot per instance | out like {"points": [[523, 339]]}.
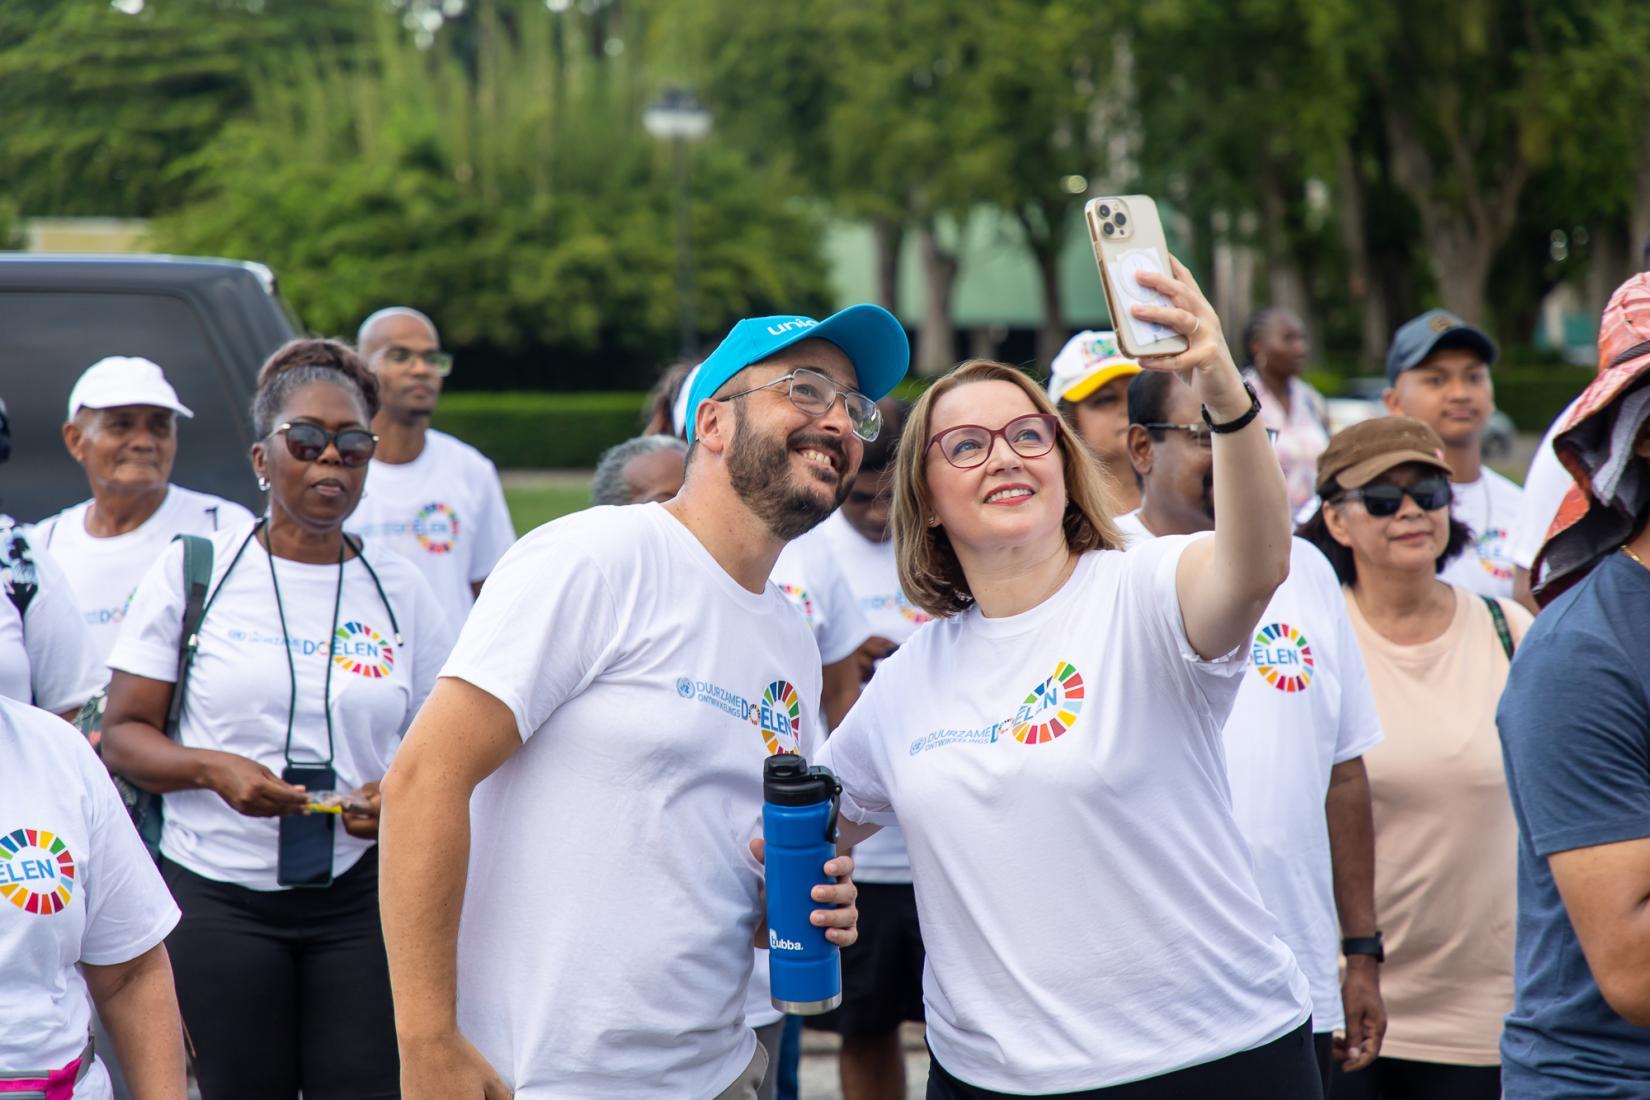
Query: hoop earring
{"points": [[263, 485]]}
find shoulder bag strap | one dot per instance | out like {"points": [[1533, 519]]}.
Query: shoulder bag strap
{"points": [[197, 576], [1499, 617]]}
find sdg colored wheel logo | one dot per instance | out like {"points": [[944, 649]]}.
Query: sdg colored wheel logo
{"points": [[780, 718], [1283, 658], [1051, 708], [37, 872]]}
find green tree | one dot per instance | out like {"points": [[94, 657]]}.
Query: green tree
{"points": [[99, 105], [521, 204], [1034, 124]]}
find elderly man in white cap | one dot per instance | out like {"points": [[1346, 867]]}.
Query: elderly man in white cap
{"points": [[122, 429], [1089, 383]]}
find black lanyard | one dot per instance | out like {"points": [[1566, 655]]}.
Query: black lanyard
{"points": [[286, 640], [292, 667]]}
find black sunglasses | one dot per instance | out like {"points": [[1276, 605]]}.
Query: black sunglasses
{"points": [[1429, 493], [308, 442]]}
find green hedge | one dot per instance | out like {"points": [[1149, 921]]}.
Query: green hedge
{"points": [[1532, 394], [525, 430]]}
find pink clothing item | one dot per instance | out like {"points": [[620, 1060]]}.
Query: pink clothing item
{"points": [[1302, 435], [56, 1085]]}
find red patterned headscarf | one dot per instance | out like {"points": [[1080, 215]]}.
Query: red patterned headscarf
{"points": [[1612, 489]]}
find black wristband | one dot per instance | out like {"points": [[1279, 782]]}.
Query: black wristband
{"points": [[1241, 422], [1364, 945]]}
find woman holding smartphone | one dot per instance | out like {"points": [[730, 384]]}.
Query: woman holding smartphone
{"points": [[313, 655], [1051, 748]]}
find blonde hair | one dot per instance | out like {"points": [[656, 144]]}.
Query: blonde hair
{"points": [[929, 572]]}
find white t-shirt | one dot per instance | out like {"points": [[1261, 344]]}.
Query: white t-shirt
{"points": [[873, 576], [76, 886], [1545, 487], [815, 585], [45, 654], [605, 946], [1305, 706], [1087, 902], [240, 690], [444, 511], [104, 571], [1490, 506]]}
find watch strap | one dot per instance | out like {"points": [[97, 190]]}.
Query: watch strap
{"points": [[1364, 945], [1241, 422]]}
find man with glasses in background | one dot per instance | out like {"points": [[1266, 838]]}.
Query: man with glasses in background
{"points": [[1294, 741], [433, 499]]}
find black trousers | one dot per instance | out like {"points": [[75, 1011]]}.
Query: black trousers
{"points": [[1401, 1079], [285, 990], [1284, 1069]]}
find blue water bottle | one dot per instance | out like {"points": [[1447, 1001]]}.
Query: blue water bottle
{"points": [[799, 824]]}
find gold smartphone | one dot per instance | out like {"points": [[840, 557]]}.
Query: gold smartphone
{"points": [[1128, 238]]}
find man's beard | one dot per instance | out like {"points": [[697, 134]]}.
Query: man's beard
{"points": [[760, 469]]}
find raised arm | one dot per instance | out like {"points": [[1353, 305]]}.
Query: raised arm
{"points": [[460, 737], [1225, 582]]}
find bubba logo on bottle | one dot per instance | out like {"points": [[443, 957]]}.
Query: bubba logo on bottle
{"points": [[776, 942]]}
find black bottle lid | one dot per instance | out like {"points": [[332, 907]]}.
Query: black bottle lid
{"points": [[788, 781]]}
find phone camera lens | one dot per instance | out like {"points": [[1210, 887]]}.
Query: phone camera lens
{"points": [[1122, 218], [1105, 211], [1108, 229]]}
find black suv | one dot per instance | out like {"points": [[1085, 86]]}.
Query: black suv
{"points": [[208, 323]]}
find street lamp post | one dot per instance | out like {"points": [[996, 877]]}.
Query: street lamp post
{"points": [[679, 117]]}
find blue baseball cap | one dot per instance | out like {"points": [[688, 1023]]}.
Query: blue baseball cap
{"points": [[872, 338], [1432, 331]]}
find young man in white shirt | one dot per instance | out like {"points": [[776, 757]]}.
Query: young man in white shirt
{"points": [[122, 429], [1438, 371], [431, 498], [1294, 740], [613, 695]]}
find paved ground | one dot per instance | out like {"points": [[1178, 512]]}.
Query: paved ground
{"points": [[818, 1079]]}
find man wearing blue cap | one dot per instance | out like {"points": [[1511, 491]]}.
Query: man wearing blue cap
{"points": [[609, 705], [1438, 371]]}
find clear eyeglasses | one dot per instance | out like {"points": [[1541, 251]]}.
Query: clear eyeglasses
{"points": [[815, 393]]}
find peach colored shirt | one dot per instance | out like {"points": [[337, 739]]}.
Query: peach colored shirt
{"points": [[1446, 845]]}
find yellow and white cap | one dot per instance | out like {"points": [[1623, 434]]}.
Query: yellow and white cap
{"points": [[1088, 361]]}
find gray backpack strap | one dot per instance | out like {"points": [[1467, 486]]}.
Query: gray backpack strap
{"points": [[197, 577], [1502, 631]]}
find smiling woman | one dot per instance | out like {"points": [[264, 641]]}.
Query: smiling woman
{"points": [[259, 768], [1051, 747], [1445, 884]]}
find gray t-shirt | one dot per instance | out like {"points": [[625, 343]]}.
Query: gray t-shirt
{"points": [[1575, 736]]}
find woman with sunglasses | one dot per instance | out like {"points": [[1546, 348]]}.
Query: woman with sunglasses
{"points": [[1437, 656], [309, 664], [1051, 747]]}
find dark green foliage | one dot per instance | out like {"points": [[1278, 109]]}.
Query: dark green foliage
{"points": [[1533, 395], [99, 107], [513, 196], [526, 430]]}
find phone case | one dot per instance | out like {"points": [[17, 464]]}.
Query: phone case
{"points": [[1128, 238]]}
